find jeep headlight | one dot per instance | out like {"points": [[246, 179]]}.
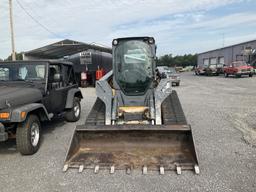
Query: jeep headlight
{"points": [[5, 115]]}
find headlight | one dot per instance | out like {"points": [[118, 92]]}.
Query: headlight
{"points": [[115, 42], [4, 115], [151, 40]]}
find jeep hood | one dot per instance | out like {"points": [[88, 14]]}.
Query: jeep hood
{"points": [[15, 96]]}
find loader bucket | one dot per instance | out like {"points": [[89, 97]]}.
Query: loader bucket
{"points": [[127, 147]]}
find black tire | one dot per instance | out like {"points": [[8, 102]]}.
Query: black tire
{"points": [[177, 84], [73, 114], [225, 74], [250, 75], [27, 145]]}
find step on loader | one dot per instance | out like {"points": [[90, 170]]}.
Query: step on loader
{"points": [[137, 121]]}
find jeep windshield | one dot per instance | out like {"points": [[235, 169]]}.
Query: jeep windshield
{"points": [[27, 72]]}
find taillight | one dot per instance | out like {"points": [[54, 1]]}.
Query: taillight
{"points": [[83, 76]]}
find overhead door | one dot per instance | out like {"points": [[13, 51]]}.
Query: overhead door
{"points": [[221, 60], [206, 62], [213, 61]]}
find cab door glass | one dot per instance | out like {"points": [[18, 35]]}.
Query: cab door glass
{"points": [[23, 72], [4, 74]]}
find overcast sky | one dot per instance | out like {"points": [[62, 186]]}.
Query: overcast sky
{"points": [[179, 26]]}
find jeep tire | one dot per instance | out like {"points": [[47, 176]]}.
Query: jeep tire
{"points": [[73, 114], [250, 75], [28, 135]]}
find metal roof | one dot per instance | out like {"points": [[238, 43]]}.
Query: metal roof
{"points": [[227, 47], [51, 61], [63, 48]]}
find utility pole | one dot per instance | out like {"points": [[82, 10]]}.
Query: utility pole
{"points": [[223, 40], [12, 31]]}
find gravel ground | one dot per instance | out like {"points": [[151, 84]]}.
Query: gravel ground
{"points": [[222, 114]]}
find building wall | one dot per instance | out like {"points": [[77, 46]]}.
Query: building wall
{"points": [[230, 54]]}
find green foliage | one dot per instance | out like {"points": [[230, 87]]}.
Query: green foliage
{"points": [[18, 57], [179, 60]]}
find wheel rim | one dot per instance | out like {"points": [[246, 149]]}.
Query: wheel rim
{"points": [[35, 134], [77, 110]]}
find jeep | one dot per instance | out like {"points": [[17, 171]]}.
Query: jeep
{"points": [[32, 92]]}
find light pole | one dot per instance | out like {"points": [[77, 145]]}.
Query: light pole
{"points": [[12, 31]]}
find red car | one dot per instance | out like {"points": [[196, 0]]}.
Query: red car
{"points": [[238, 68]]}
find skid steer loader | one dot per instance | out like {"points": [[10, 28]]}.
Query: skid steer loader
{"points": [[137, 121]]}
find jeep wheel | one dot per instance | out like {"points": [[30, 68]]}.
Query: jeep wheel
{"points": [[74, 114], [250, 75], [28, 135], [177, 84], [225, 74]]}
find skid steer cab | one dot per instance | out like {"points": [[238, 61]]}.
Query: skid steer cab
{"points": [[32, 92], [137, 121]]}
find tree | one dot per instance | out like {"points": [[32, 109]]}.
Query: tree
{"points": [[18, 57], [178, 60]]}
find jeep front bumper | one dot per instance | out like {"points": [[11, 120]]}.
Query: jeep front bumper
{"points": [[3, 134]]}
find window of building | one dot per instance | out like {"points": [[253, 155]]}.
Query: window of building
{"points": [[206, 62]]}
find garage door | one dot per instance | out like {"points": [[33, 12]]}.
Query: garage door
{"points": [[206, 62], [221, 60], [213, 61]]}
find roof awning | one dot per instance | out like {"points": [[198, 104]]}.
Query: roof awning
{"points": [[64, 48]]}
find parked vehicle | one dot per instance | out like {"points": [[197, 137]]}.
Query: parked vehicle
{"points": [[87, 63], [169, 72], [238, 68], [186, 69], [212, 69], [174, 76], [199, 70], [220, 68], [32, 92], [179, 69]]}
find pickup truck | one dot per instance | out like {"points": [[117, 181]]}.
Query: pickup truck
{"points": [[32, 92], [238, 68]]}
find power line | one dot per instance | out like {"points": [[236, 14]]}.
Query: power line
{"points": [[35, 20]]}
